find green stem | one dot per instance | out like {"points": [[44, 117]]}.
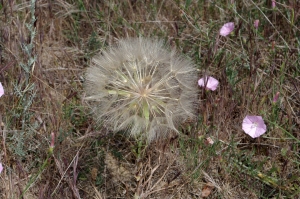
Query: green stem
{"points": [[33, 179]]}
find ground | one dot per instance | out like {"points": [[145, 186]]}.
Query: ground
{"points": [[46, 48]]}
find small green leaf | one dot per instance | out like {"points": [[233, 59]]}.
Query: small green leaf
{"points": [[187, 3]]}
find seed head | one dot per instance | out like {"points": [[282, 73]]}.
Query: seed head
{"points": [[141, 87]]}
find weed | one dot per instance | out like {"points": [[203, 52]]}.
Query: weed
{"points": [[142, 88], [46, 47]]}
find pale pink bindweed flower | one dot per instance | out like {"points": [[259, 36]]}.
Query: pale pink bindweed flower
{"points": [[254, 126], [1, 90], [227, 29], [209, 83], [1, 93], [256, 23], [1, 167]]}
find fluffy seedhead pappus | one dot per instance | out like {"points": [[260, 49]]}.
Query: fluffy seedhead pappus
{"points": [[141, 87]]}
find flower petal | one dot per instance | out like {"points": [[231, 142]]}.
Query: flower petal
{"points": [[227, 29], [253, 132], [1, 167], [1, 90], [211, 83], [254, 126], [201, 82]]}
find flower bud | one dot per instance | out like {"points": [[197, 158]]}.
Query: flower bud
{"points": [[276, 97], [52, 143], [256, 23]]}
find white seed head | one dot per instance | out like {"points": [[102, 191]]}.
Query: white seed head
{"points": [[141, 87]]}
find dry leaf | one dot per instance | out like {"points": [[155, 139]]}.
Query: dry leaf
{"points": [[94, 173], [207, 189]]}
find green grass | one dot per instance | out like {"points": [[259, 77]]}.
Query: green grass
{"points": [[89, 161]]}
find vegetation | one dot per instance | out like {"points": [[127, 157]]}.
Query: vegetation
{"points": [[52, 147]]}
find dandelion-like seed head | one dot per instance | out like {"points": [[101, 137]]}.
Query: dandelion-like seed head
{"points": [[141, 87]]}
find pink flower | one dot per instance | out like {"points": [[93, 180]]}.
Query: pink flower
{"points": [[209, 83], [1, 90], [1, 167], [276, 97], [227, 29], [273, 4], [256, 23], [254, 126]]}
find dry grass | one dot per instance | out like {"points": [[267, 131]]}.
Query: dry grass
{"points": [[89, 162]]}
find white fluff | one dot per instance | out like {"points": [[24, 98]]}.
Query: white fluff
{"points": [[141, 87]]}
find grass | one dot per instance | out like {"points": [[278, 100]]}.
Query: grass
{"points": [[44, 94]]}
